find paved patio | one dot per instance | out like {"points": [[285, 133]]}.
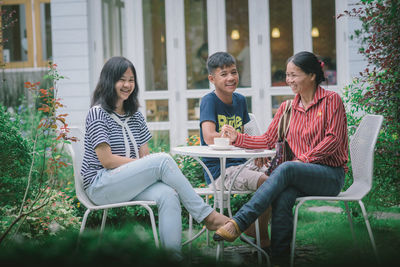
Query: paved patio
{"points": [[247, 255]]}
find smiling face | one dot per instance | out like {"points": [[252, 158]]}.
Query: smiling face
{"points": [[298, 80], [124, 87], [225, 79]]}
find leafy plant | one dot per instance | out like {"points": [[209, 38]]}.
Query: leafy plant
{"points": [[377, 90], [192, 169], [15, 159], [58, 215], [48, 137]]}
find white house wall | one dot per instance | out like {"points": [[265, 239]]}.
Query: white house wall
{"points": [[70, 52]]}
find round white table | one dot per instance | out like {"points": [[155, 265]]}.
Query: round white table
{"points": [[222, 154], [232, 152]]}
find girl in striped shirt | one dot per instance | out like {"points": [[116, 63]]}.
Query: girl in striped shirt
{"points": [[317, 137], [117, 166]]}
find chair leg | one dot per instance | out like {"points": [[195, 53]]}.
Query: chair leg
{"points": [[371, 236], [296, 213], [103, 220], [220, 250], [350, 222], [190, 231], [153, 224], [207, 232], [83, 224], [258, 241]]}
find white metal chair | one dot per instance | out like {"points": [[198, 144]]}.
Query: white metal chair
{"points": [[77, 150], [362, 145], [251, 128]]}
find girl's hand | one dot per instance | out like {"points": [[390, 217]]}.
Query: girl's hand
{"points": [[230, 132]]}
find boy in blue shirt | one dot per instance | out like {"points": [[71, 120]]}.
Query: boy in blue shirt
{"points": [[225, 106]]}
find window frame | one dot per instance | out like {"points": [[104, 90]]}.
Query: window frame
{"points": [[38, 34], [29, 35]]}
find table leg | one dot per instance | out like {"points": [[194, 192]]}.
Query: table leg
{"points": [[220, 245], [222, 191]]}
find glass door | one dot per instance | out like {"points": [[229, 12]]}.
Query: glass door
{"points": [[171, 40]]}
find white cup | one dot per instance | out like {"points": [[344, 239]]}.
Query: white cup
{"points": [[221, 141]]}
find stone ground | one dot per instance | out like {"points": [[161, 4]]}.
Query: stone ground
{"points": [[245, 254]]}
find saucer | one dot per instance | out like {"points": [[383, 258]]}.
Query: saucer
{"points": [[221, 147]]}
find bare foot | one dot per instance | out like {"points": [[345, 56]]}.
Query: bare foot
{"points": [[215, 220]]}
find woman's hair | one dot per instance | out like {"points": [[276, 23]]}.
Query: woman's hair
{"points": [[308, 63], [105, 95]]}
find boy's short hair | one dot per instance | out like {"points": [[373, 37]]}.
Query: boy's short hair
{"points": [[219, 60]]}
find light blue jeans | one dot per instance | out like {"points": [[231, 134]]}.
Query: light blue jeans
{"points": [[158, 178]]}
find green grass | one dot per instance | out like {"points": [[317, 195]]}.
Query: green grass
{"points": [[323, 239]]}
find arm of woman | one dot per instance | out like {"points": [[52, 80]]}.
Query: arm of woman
{"points": [[108, 159], [266, 141], [144, 150]]}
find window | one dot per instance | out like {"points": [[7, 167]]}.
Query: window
{"points": [[237, 30], [281, 36], [155, 54], [196, 44], [193, 108], [18, 49], [323, 34], [248, 104], [277, 100], [160, 141], [157, 110], [43, 29], [113, 12]]}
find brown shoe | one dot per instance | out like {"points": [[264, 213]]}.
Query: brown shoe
{"points": [[224, 234]]}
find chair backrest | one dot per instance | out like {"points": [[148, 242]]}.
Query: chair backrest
{"points": [[362, 145], [252, 128], [77, 150]]}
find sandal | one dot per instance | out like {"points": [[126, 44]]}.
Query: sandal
{"points": [[222, 234]]}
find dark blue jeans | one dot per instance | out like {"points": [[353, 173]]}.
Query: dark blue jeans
{"points": [[289, 181]]}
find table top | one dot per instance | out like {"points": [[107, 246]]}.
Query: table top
{"points": [[234, 152]]}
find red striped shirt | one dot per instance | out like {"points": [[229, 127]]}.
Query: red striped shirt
{"points": [[316, 135]]}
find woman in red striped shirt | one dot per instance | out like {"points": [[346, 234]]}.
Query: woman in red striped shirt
{"points": [[318, 139]]}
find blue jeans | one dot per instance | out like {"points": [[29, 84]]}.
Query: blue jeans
{"points": [[289, 181], [158, 178]]}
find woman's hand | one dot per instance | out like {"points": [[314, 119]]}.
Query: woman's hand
{"points": [[230, 132]]}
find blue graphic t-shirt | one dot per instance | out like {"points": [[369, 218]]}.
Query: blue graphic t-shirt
{"points": [[236, 115]]}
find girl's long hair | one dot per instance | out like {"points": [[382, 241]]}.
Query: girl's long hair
{"points": [[105, 95]]}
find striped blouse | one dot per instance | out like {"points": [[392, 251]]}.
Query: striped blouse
{"points": [[316, 135], [101, 128]]}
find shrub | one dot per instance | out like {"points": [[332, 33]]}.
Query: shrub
{"points": [[190, 167], [46, 129], [377, 91], [57, 216], [15, 159]]}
